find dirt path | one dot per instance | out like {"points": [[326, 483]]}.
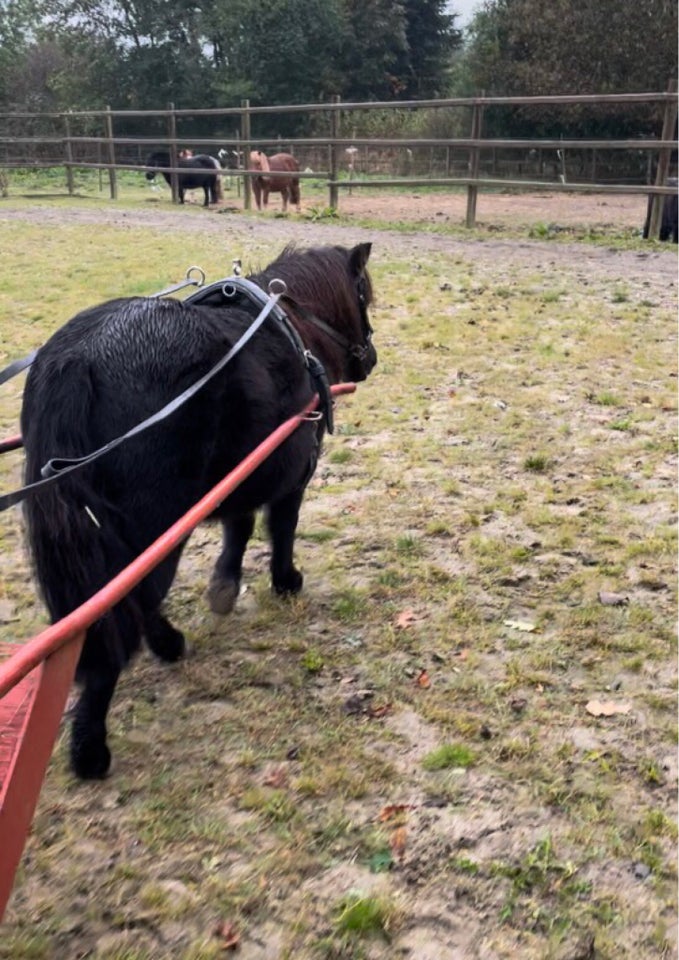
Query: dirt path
{"points": [[654, 266]]}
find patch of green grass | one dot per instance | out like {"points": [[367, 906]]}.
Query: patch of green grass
{"points": [[349, 605], [342, 455], [536, 463], [313, 661], [448, 755], [365, 916]]}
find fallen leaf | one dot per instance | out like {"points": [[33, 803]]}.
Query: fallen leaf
{"points": [[422, 679], [376, 713], [613, 599], [606, 708], [393, 810], [397, 842], [462, 654], [277, 778], [406, 618], [518, 704], [227, 933], [523, 625]]}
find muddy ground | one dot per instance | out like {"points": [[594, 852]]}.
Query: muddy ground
{"points": [[278, 780]]}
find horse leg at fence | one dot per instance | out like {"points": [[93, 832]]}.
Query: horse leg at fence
{"points": [[284, 198], [283, 517], [224, 587], [294, 194], [257, 190]]}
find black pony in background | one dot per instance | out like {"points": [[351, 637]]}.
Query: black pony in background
{"points": [[202, 172], [669, 216], [114, 365]]}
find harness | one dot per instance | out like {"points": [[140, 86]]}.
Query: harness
{"points": [[239, 292], [235, 291]]}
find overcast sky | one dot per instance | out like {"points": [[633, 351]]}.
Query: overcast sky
{"points": [[464, 10]]}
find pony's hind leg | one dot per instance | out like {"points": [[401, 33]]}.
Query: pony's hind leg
{"points": [[98, 674], [283, 517], [224, 586], [163, 639]]}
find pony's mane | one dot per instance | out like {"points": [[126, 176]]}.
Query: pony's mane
{"points": [[318, 281]]}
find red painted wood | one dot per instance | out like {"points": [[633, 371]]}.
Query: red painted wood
{"points": [[45, 691]]}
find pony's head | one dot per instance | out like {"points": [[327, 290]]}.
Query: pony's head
{"points": [[154, 162], [329, 293], [259, 160]]}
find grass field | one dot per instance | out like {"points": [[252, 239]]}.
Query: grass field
{"points": [[460, 741]]}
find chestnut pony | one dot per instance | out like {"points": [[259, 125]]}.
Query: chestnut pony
{"points": [[288, 187]]}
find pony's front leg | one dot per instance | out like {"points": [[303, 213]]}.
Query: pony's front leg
{"points": [[283, 517], [206, 196], [224, 586], [284, 197], [90, 756]]}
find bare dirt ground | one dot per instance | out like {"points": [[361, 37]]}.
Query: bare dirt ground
{"points": [[404, 763], [501, 209]]}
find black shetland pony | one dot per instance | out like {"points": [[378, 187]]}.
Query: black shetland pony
{"points": [[202, 172], [114, 365], [669, 218]]}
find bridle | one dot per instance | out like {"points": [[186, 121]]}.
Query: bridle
{"points": [[355, 351]]}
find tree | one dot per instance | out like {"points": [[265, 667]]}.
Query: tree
{"points": [[431, 39], [283, 51], [531, 47]]}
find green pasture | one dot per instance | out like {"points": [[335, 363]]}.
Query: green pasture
{"points": [[460, 740]]}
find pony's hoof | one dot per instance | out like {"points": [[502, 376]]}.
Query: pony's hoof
{"points": [[166, 641], [289, 584], [222, 595], [90, 760]]}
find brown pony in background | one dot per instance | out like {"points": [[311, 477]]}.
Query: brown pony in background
{"points": [[288, 187]]}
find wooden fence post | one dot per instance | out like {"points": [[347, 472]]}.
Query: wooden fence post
{"points": [[113, 183], [333, 191], [474, 157], [245, 137], [658, 200], [68, 154], [172, 149]]}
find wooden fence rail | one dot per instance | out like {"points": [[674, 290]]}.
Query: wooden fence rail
{"points": [[71, 152]]}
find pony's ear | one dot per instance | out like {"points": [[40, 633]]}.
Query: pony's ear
{"points": [[358, 257]]}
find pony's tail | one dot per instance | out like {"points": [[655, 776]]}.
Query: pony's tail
{"points": [[74, 536], [218, 189]]}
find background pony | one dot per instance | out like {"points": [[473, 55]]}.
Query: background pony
{"points": [[288, 187], [202, 172], [114, 365]]}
